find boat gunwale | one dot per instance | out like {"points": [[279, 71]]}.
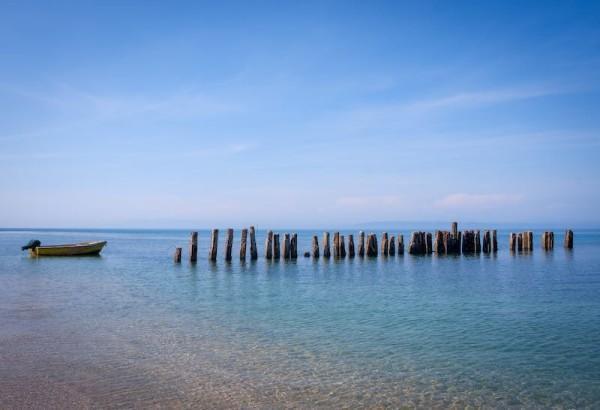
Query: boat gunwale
{"points": [[73, 245]]}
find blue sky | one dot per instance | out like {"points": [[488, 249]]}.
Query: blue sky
{"points": [[298, 114]]}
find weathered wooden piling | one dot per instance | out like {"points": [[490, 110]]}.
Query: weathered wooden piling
{"points": [[568, 240], [438, 243], [468, 241], [286, 246], [243, 244], [194, 247], [269, 245], [177, 255], [253, 249], [294, 246], [520, 242], [494, 242], [527, 241], [530, 240], [447, 244], [336, 245], [361, 244], [315, 246], [400, 245], [371, 245], [548, 241], [477, 239], [276, 248], [544, 241], [342, 247], [418, 243], [452, 240], [525, 236], [229, 244], [326, 249], [214, 244], [486, 245], [385, 244], [351, 246], [428, 243], [512, 242], [392, 246]]}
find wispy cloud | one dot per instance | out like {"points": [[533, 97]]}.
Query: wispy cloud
{"points": [[462, 200], [482, 97], [180, 104], [403, 114]]}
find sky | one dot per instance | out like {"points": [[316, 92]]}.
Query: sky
{"points": [[298, 114]]}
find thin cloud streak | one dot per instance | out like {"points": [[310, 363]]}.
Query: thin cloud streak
{"points": [[405, 114]]}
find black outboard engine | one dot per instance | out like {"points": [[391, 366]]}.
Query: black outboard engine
{"points": [[34, 243]]}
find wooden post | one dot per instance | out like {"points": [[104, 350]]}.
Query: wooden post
{"points": [[361, 244], [512, 242], [392, 246], [494, 243], [477, 238], [526, 243], [428, 243], [276, 249], [351, 246], [417, 245], [385, 244], [177, 256], [544, 241], [530, 233], [453, 240], [286, 246], [315, 246], [371, 245], [438, 243], [326, 249], [229, 245], [548, 241], [520, 242], [214, 243], [269, 246], [446, 243], [194, 247], [253, 249], [400, 245], [568, 241], [487, 246], [468, 241], [336, 245], [342, 247], [294, 246], [243, 245]]}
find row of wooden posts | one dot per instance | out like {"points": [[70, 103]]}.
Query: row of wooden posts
{"points": [[453, 242]]}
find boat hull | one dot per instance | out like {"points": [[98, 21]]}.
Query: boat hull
{"points": [[75, 249]]}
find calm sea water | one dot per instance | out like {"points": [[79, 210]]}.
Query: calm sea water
{"points": [[131, 329]]}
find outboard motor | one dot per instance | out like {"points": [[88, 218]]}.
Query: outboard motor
{"points": [[34, 243]]}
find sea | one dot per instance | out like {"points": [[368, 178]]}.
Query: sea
{"points": [[133, 329]]}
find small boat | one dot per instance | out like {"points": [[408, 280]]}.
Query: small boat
{"points": [[72, 249]]}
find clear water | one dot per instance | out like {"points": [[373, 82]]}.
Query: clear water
{"points": [[132, 329]]}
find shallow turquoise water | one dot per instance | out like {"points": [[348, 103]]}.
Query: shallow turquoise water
{"points": [[131, 329]]}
